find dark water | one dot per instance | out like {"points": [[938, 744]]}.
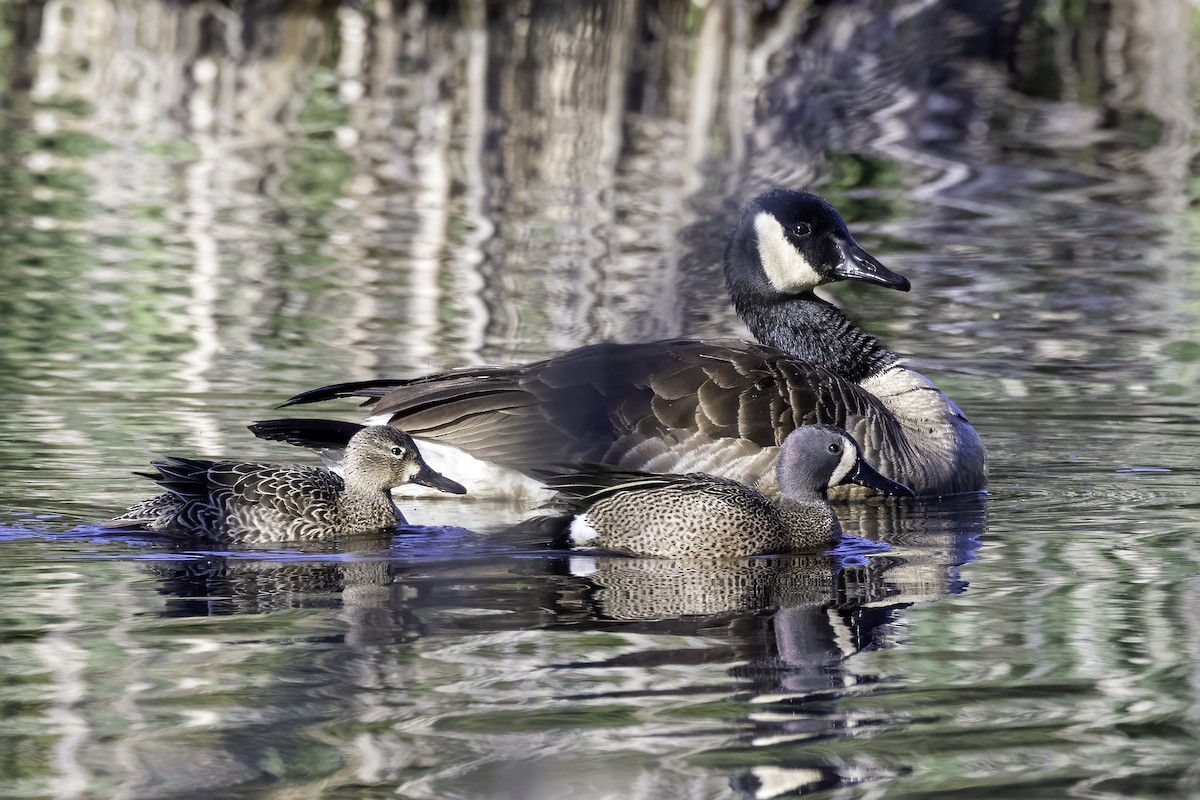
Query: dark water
{"points": [[205, 211]]}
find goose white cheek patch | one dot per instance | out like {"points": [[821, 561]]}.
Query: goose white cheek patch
{"points": [[787, 270]]}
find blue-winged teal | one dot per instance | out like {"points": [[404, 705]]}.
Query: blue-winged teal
{"points": [[701, 406], [239, 502], [702, 516]]}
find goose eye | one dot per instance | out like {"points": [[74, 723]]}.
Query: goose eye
{"points": [[801, 229], [397, 450], [835, 448]]}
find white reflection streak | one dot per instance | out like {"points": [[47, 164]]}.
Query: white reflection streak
{"points": [[46, 84], [738, 95], [611, 123], [372, 761], [1148, 62], [65, 660], [201, 311], [608, 261], [360, 193], [468, 277], [705, 82], [429, 158], [352, 29]]}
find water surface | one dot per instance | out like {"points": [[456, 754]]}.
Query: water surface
{"points": [[204, 212]]}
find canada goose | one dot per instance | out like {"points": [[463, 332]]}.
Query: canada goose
{"points": [[703, 516], [239, 502], [696, 406]]}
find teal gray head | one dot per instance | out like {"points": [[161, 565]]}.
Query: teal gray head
{"points": [[814, 458], [381, 458]]}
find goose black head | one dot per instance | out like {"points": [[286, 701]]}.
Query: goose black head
{"points": [[814, 458], [789, 242], [379, 457]]}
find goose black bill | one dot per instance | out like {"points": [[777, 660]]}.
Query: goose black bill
{"points": [[859, 265]]}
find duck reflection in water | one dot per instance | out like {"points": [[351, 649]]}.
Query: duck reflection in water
{"points": [[783, 627], [790, 625]]}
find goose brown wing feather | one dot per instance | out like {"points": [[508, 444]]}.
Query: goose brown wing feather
{"points": [[315, 433], [582, 405], [582, 489], [374, 390], [554, 410], [758, 416], [664, 412], [726, 374], [433, 406], [718, 410]]}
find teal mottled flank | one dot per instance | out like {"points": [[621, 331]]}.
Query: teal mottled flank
{"points": [[238, 502], [697, 515]]}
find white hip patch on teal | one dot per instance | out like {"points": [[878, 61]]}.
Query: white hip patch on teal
{"points": [[787, 270], [582, 532]]}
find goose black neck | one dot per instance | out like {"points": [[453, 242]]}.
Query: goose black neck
{"points": [[817, 332]]}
